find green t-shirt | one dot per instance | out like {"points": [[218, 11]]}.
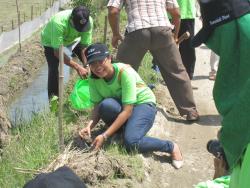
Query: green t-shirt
{"points": [[126, 85], [59, 31], [232, 85], [187, 9]]}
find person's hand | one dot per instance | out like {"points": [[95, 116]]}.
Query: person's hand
{"points": [[98, 142], [219, 167], [176, 39], [85, 131], [83, 72], [116, 39]]}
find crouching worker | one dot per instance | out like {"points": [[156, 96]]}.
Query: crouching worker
{"points": [[122, 99], [63, 29]]}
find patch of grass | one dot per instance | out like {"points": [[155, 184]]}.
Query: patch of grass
{"points": [[32, 146], [13, 82], [146, 72], [8, 11]]}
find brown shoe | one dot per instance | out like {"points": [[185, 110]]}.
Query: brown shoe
{"points": [[192, 116]]}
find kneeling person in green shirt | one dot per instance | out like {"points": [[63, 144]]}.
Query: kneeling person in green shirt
{"points": [[122, 99], [63, 29]]}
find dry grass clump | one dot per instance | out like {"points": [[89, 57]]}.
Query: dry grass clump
{"points": [[92, 167]]}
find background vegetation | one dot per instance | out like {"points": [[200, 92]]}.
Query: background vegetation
{"points": [[8, 13]]}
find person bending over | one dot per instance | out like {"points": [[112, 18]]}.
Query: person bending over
{"points": [[123, 101], [63, 29]]}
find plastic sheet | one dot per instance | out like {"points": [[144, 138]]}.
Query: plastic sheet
{"points": [[79, 98]]}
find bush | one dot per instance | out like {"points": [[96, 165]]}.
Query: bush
{"points": [[76, 3], [93, 5]]}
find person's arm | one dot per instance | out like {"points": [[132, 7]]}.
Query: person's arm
{"points": [[92, 123], [116, 125], [176, 20], [57, 39], [80, 70], [113, 17], [84, 59], [86, 40], [172, 8], [95, 98]]}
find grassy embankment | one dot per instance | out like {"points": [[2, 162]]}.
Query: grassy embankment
{"points": [[8, 11], [34, 144]]}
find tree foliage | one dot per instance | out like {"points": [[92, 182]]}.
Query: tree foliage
{"points": [[76, 3], [93, 5]]}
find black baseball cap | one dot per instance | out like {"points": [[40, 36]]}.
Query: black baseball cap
{"points": [[96, 52], [80, 18], [218, 12]]}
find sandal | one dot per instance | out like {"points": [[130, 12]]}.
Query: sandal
{"points": [[212, 75], [192, 116]]}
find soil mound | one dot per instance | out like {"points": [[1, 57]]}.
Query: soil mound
{"points": [[92, 167]]}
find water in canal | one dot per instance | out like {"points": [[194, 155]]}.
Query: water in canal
{"points": [[34, 98]]}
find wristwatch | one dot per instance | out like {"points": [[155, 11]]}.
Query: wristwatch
{"points": [[104, 136]]}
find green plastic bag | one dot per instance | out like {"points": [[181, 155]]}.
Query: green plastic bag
{"points": [[221, 182], [79, 97]]}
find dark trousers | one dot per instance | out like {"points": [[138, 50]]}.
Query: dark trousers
{"points": [[53, 73], [159, 41], [186, 50]]}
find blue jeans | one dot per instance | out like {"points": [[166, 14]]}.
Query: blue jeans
{"points": [[136, 127]]}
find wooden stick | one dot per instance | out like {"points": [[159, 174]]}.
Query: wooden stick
{"points": [[31, 13], [27, 171], [183, 37], [60, 115], [105, 30], [19, 29]]}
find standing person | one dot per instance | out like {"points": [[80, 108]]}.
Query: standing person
{"points": [[122, 99], [149, 29], [187, 51], [63, 29], [174, 11], [226, 31]]}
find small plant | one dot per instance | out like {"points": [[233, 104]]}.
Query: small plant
{"points": [[54, 104]]}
